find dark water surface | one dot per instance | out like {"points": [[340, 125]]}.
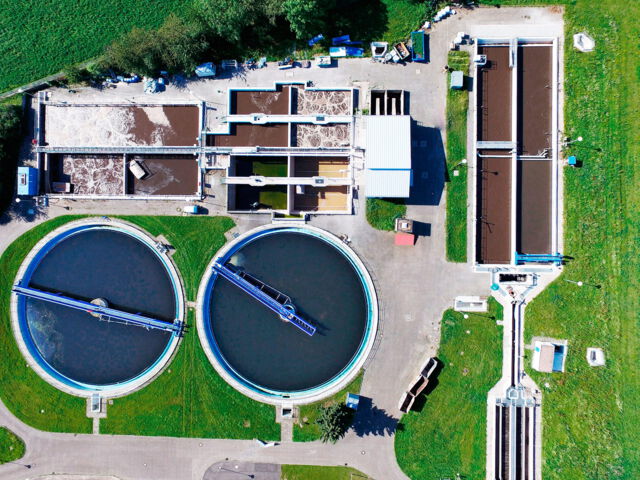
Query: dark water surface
{"points": [[130, 276], [327, 292]]}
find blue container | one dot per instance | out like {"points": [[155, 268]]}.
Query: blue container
{"points": [[27, 181]]}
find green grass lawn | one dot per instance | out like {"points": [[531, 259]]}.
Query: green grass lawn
{"points": [[11, 446], [310, 430], [187, 399], [382, 212], [591, 415], [403, 16], [30, 398], [309, 472], [448, 435], [457, 105], [41, 37]]}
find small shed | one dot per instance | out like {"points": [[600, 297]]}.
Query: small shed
{"points": [[27, 181], [549, 356], [457, 80]]}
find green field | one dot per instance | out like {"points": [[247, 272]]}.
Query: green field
{"points": [[41, 37], [187, 399], [309, 431], [448, 435], [309, 472], [382, 212], [457, 105], [11, 446], [591, 416]]}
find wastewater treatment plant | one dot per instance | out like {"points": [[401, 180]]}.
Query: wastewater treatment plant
{"points": [[400, 245]]}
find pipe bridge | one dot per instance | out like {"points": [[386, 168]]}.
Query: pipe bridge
{"points": [[277, 302], [102, 312]]}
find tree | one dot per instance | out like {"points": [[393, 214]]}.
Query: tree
{"points": [[10, 130], [76, 74], [227, 18], [182, 44], [138, 52], [334, 421], [304, 16], [176, 46]]}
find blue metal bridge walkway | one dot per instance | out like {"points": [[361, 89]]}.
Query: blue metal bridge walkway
{"points": [[103, 312], [286, 310]]}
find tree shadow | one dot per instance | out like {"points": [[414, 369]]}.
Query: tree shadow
{"points": [[371, 420], [428, 163], [363, 20], [25, 211]]}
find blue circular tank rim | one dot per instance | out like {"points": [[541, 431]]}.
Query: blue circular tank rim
{"points": [[289, 393], [26, 334]]}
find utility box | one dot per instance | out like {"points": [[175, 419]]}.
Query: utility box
{"points": [[457, 80], [27, 181]]}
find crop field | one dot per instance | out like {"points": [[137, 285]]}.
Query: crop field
{"points": [[41, 37]]}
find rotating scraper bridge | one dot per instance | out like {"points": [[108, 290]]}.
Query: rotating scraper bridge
{"points": [[102, 312], [276, 301], [268, 296]]}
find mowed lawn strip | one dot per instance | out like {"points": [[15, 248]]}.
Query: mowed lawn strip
{"points": [[41, 37], [11, 446], [457, 106], [310, 430], [312, 472], [448, 435], [30, 398]]}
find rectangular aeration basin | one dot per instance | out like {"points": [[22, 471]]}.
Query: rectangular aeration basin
{"points": [[246, 102], [104, 125], [494, 95], [534, 206], [493, 244], [535, 89]]}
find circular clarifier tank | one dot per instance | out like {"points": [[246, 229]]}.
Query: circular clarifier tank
{"points": [[59, 301], [266, 356]]}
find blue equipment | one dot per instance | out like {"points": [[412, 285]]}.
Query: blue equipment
{"points": [[104, 313], [522, 258], [281, 304]]}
